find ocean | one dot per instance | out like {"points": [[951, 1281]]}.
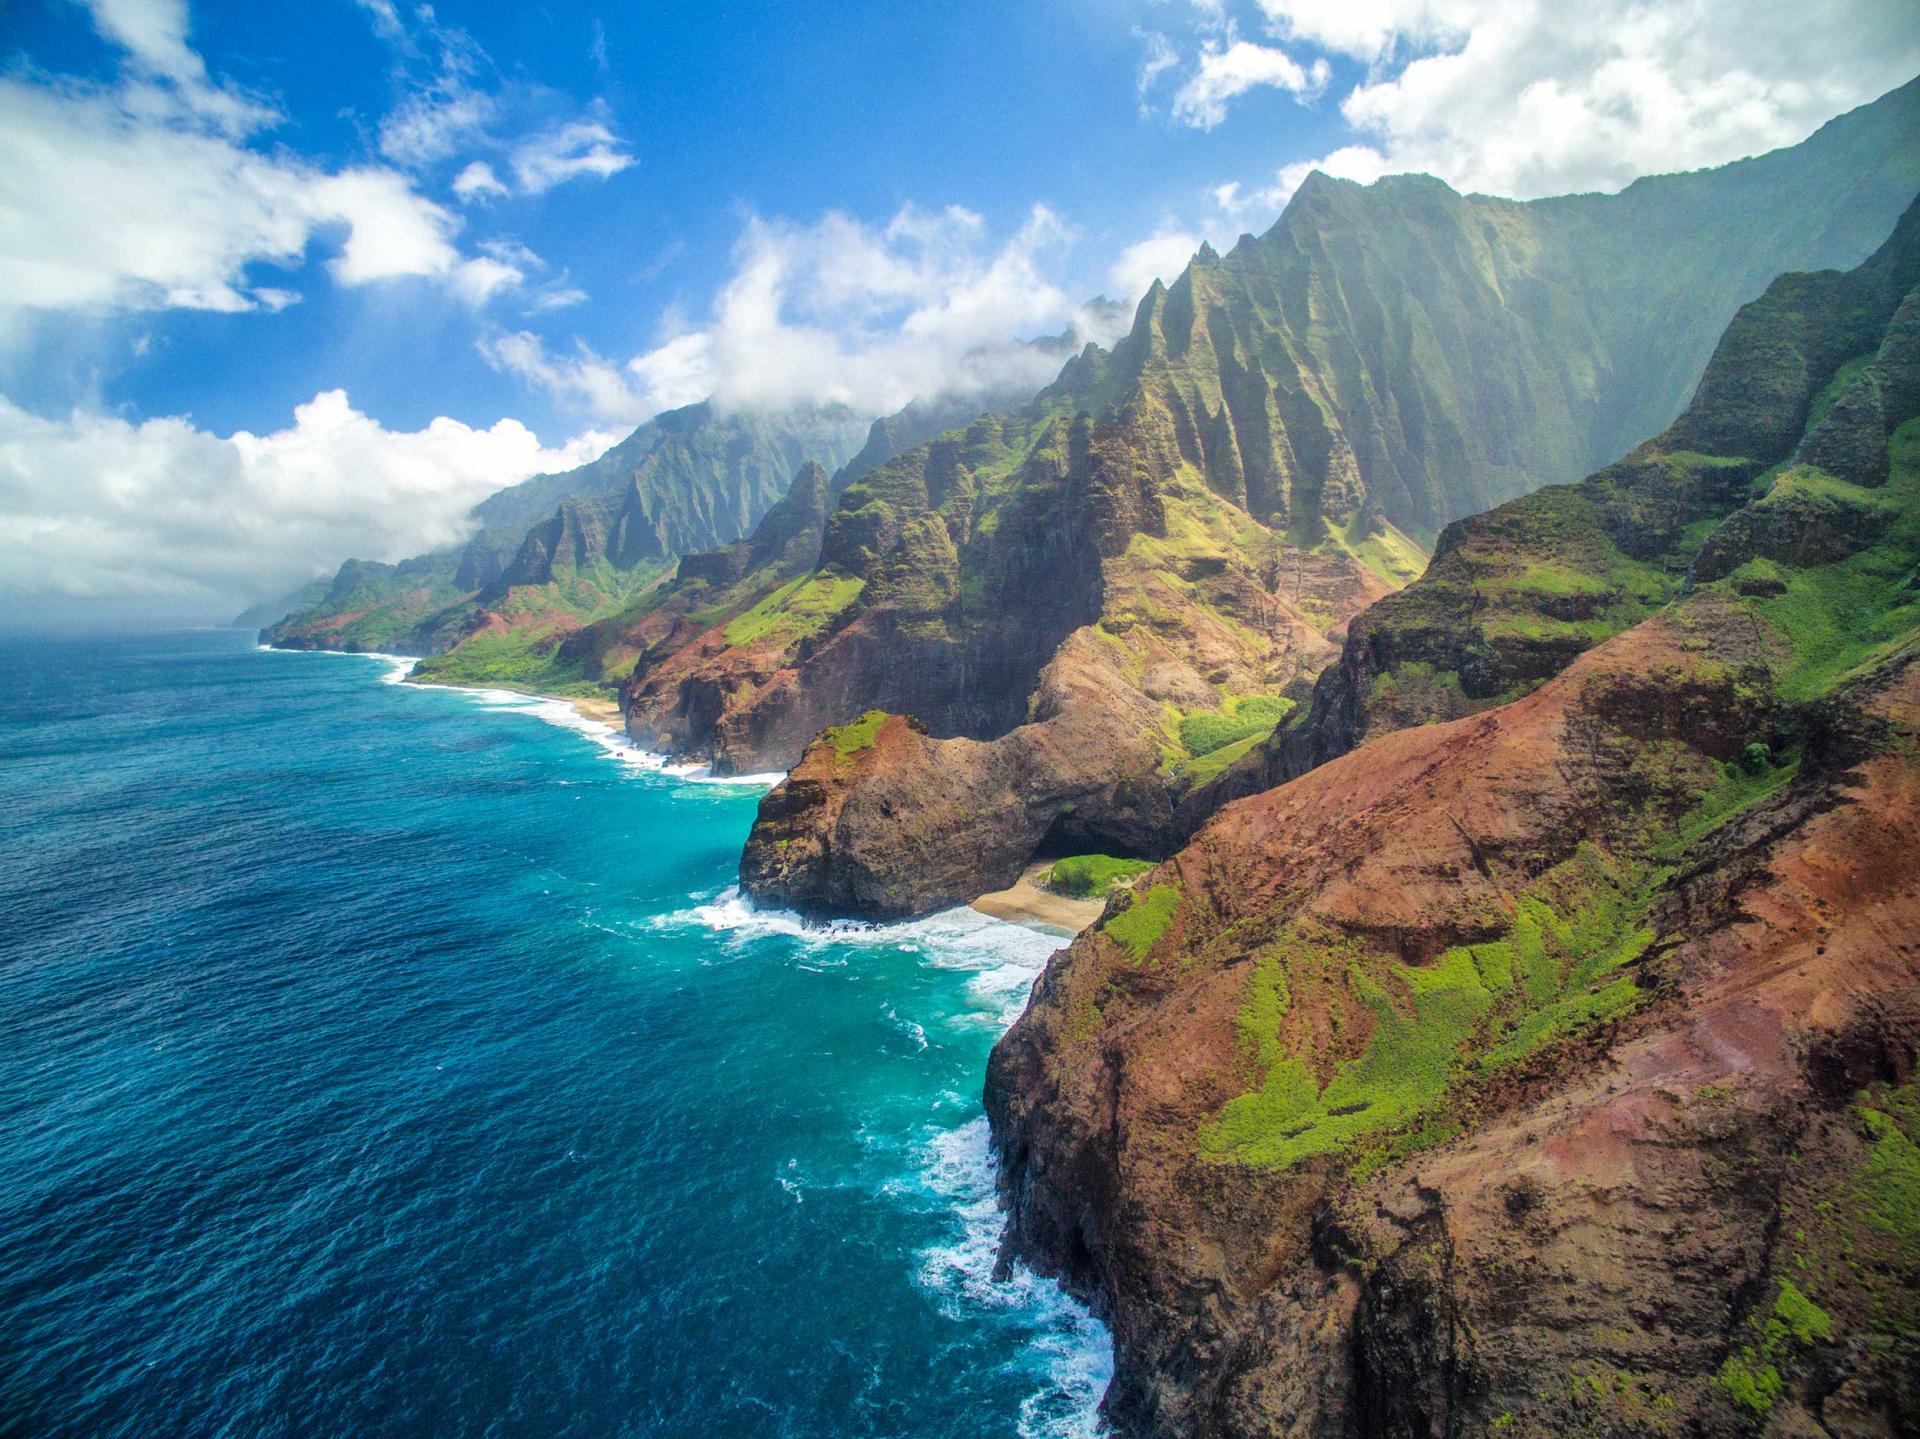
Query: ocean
{"points": [[379, 1060]]}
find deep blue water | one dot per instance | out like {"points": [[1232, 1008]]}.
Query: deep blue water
{"points": [[383, 1060]]}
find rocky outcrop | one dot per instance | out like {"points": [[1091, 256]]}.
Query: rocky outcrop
{"points": [[1548, 1069], [1588, 1252]]}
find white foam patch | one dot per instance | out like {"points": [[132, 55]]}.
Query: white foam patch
{"points": [[398, 667], [1068, 1349], [563, 715], [1005, 959], [613, 742]]}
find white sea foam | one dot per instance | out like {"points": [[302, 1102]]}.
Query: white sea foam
{"points": [[398, 667], [1067, 1348]]}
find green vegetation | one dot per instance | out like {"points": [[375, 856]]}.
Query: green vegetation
{"points": [[1434, 1028], [1140, 925], [1752, 1376], [1888, 1188], [799, 608], [1199, 744], [519, 659], [1090, 876], [1395, 556], [1241, 717], [1421, 1017], [1842, 616], [851, 738]]}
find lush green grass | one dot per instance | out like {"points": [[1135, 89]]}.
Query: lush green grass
{"points": [[516, 659], [1888, 1188], [851, 738], [1752, 1376], [1213, 762], [1090, 876], [1476, 1008], [1395, 556], [1421, 1018], [1142, 923], [799, 608], [1841, 616], [1241, 717], [1198, 744]]}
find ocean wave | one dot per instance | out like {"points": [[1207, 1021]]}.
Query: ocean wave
{"points": [[613, 741], [1068, 1350], [563, 715], [398, 666]]}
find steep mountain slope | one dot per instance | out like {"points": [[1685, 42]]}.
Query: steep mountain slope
{"points": [[714, 587], [1174, 536], [570, 545], [1548, 1070], [1513, 595]]}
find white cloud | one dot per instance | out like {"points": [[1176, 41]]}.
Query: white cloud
{"points": [[453, 103], [144, 193], [94, 507], [435, 122], [1233, 69], [477, 181], [584, 147], [154, 35], [1159, 257], [872, 316], [1361, 163], [479, 280], [1533, 97], [1158, 55], [583, 381], [835, 311], [680, 372]]}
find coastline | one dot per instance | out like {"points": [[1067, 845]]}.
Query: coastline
{"points": [[606, 712], [1025, 902]]}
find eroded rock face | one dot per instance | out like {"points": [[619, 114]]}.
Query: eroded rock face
{"points": [[1590, 1248], [1548, 1069]]}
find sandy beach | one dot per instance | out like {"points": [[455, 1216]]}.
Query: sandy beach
{"points": [[605, 711], [1025, 902]]}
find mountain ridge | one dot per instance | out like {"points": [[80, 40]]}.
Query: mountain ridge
{"points": [[1264, 454]]}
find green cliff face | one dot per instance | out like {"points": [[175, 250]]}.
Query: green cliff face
{"points": [[1403, 350], [1803, 382]]}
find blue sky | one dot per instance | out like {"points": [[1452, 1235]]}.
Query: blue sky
{"points": [[769, 109], [280, 284]]}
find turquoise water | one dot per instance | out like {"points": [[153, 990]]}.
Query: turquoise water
{"points": [[383, 1060]]}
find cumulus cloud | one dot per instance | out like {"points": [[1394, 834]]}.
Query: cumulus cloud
{"points": [[1361, 163], [1158, 257], [870, 316], [477, 182], [1528, 97], [1225, 71], [583, 381], [838, 311], [452, 103], [145, 193], [94, 507]]}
